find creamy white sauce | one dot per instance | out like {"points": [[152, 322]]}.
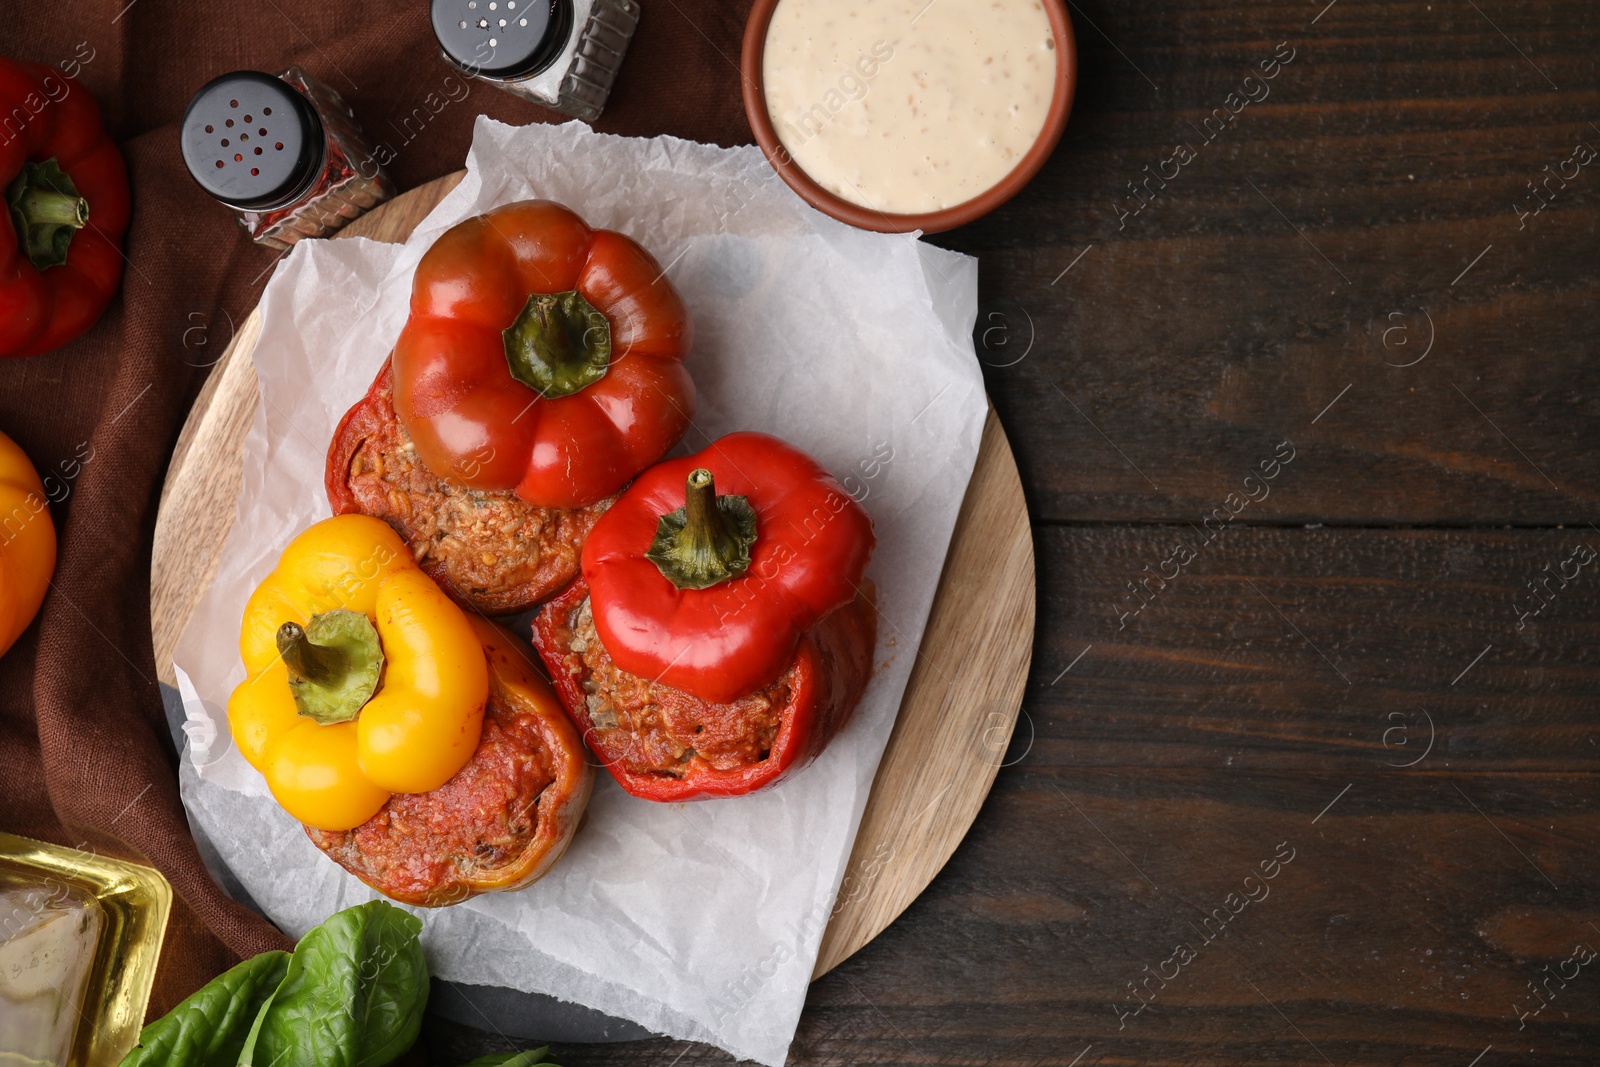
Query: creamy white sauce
{"points": [[908, 106]]}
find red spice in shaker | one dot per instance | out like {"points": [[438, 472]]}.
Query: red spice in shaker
{"points": [[285, 153]]}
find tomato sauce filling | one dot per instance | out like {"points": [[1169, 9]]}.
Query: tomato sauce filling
{"points": [[492, 549], [481, 819], [651, 728]]}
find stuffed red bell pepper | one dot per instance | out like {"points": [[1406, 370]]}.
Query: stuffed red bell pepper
{"points": [[492, 551], [715, 643], [542, 356], [66, 200], [540, 370]]}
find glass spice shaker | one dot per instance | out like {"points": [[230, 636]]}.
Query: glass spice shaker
{"points": [[562, 54], [285, 153]]}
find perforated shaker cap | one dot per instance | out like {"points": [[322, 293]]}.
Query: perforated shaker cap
{"points": [[252, 140], [505, 39]]}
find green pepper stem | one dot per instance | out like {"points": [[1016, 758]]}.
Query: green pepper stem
{"points": [[334, 664], [707, 541], [707, 531], [46, 211], [46, 207], [558, 344], [311, 662]]}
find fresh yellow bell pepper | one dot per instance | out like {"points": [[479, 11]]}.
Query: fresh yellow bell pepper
{"points": [[362, 677], [27, 542]]}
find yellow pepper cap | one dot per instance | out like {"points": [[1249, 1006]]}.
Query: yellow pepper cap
{"points": [[419, 728]]}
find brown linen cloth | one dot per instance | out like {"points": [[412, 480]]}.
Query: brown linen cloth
{"points": [[85, 755]]}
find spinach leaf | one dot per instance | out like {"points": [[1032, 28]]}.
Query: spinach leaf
{"points": [[396, 977], [209, 1028], [513, 1059], [353, 994]]}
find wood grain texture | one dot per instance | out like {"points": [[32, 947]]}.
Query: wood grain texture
{"points": [[961, 701], [1320, 241], [958, 713], [1145, 784], [1139, 385]]}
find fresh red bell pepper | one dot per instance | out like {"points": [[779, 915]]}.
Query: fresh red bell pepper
{"points": [[67, 206], [542, 356], [734, 632]]}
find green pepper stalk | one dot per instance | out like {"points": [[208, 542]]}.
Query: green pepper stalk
{"points": [[46, 211], [558, 344], [707, 541], [335, 663]]}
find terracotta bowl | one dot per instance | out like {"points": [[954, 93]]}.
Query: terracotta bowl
{"points": [[755, 109]]}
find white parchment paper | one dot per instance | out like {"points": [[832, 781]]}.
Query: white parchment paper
{"points": [[702, 920]]}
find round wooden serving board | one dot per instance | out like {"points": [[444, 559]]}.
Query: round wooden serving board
{"points": [[960, 705]]}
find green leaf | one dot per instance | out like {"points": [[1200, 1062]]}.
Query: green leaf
{"points": [[397, 986], [210, 1027], [513, 1059], [353, 994]]}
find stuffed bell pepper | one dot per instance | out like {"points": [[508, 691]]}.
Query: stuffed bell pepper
{"points": [[722, 632], [420, 750], [541, 368]]}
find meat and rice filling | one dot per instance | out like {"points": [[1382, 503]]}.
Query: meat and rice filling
{"points": [[478, 821], [649, 727], [492, 550]]}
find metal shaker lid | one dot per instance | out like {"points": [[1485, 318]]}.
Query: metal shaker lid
{"points": [[252, 140], [506, 39]]}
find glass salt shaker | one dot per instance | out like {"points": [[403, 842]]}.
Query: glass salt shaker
{"points": [[562, 54], [285, 153]]}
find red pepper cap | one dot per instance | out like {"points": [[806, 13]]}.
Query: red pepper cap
{"points": [[809, 555]]}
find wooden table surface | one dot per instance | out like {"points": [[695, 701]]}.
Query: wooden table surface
{"points": [[1307, 429]]}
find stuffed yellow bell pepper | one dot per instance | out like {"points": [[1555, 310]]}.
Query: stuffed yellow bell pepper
{"points": [[362, 678]]}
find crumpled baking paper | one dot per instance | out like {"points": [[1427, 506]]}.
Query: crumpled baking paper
{"points": [[703, 920]]}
